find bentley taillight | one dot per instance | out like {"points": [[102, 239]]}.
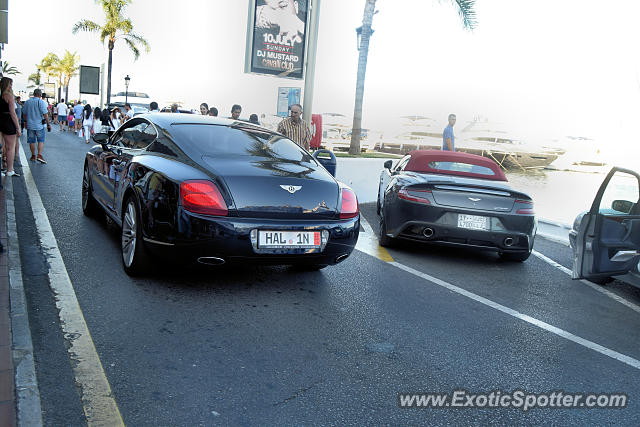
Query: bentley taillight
{"points": [[349, 207], [202, 197]]}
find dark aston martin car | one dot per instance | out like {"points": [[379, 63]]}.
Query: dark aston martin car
{"points": [[217, 191], [455, 199]]}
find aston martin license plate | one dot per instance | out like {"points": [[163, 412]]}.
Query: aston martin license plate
{"points": [[288, 239], [473, 222]]}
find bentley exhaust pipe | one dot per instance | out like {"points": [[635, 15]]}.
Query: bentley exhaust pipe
{"points": [[427, 232], [508, 241], [341, 258], [211, 260]]}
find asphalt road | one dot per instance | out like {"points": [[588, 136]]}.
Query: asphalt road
{"points": [[276, 346]]}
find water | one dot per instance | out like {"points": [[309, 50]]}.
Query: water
{"points": [[558, 195]]}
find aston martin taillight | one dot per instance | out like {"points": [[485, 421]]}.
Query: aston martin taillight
{"points": [[524, 207], [349, 207], [202, 197], [412, 195]]}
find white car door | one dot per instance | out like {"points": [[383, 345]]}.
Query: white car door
{"points": [[607, 241]]}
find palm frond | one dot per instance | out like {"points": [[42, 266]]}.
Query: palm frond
{"points": [[466, 11], [9, 69], [139, 40], [86, 25], [133, 47]]}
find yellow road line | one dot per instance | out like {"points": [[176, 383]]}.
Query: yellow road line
{"points": [[368, 243]]}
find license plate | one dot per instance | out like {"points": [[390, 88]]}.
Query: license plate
{"points": [[473, 222], [288, 239]]}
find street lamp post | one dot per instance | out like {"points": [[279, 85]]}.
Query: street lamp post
{"points": [[126, 87]]}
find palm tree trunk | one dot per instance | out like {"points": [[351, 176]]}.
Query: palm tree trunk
{"points": [[66, 93], [109, 74], [356, 130]]}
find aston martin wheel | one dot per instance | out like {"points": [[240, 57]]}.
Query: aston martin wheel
{"points": [[89, 204], [134, 256], [383, 238]]}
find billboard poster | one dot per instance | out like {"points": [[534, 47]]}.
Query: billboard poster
{"points": [[287, 96], [89, 80], [50, 90], [279, 32]]}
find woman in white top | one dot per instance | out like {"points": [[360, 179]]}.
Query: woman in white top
{"points": [[87, 122], [97, 123], [116, 120]]}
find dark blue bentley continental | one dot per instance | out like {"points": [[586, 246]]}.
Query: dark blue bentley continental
{"points": [[217, 191]]}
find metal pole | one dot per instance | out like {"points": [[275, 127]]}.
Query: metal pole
{"points": [[101, 85], [310, 71]]}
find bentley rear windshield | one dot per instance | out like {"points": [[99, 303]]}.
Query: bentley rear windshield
{"points": [[214, 140]]}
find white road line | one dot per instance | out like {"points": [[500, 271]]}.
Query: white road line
{"points": [[533, 321], [593, 286], [540, 324], [99, 406]]}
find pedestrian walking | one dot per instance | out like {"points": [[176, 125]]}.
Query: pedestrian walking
{"points": [[294, 128], [105, 119], [115, 121], [204, 109], [77, 117], [9, 126], [35, 111], [87, 122], [63, 112], [97, 121], [128, 115], [448, 138], [19, 114]]}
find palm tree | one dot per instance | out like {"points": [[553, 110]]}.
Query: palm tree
{"points": [[468, 16], [116, 27], [67, 68], [49, 65], [34, 78], [9, 69]]}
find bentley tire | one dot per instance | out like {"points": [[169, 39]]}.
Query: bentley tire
{"points": [[89, 204], [134, 255]]}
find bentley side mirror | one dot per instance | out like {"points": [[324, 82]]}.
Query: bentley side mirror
{"points": [[100, 138], [388, 164], [623, 206]]}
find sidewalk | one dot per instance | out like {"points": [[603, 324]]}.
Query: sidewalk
{"points": [[7, 392]]}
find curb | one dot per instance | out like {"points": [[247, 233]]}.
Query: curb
{"points": [[29, 410], [555, 231]]}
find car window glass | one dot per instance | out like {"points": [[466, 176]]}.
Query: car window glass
{"points": [[621, 195], [216, 140], [461, 167], [138, 135], [402, 163]]}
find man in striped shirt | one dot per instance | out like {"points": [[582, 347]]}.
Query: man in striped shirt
{"points": [[296, 129]]}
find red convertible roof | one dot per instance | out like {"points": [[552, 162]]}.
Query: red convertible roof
{"points": [[454, 163]]}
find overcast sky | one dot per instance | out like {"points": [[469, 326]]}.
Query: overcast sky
{"points": [[542, 67]]}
